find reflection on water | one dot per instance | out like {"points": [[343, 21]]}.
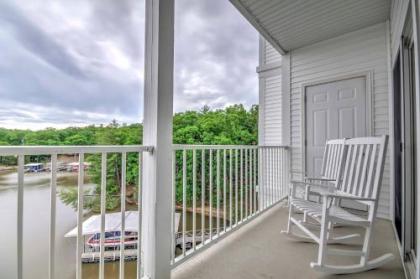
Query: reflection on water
{"points": [[36, 230]]}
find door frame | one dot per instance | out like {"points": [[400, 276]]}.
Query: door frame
{"points": [[368, 75], [407, 40]]}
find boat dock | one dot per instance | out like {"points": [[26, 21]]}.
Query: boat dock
{"points": [[131, 254]]}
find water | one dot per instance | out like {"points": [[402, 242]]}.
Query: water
{"points": [[36, 231]]}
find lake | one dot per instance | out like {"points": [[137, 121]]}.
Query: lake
{"points": [[36, 230]]}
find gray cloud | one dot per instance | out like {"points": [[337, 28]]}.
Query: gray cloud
{"points": [[34, 40], [81, 62]]}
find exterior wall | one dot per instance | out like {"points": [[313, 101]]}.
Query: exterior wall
{"points": [[353, 53], [271, 55], [360, 52], [271, 101]]}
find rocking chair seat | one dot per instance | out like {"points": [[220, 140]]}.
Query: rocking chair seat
{"points": [[314, 210]]}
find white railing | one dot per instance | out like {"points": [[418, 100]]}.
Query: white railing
{"points": [[53, 152], [218, 188]]}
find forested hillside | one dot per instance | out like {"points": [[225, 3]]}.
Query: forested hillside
{"points": [[233, 125]]}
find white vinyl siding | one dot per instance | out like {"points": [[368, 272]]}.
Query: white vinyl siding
{"points": [[271, 116], [272, 112], [357, 52], [398, 12], [271, 55]]}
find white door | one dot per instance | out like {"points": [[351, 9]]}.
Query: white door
{"points": [[333, 110]]}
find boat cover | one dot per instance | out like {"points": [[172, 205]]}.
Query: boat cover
{"points": [[112, 223]]}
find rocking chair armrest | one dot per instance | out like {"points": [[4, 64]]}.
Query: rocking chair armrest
{"points": [[346, 197], [319, 179], [296, 183], [308, 186]]}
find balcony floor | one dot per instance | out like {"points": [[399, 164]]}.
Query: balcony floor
{"points": [[258, 250]]}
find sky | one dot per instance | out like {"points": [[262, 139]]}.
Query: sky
{"points": [[81, 62]]}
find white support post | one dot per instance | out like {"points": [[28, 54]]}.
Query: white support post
{"points": [[158, 110]]}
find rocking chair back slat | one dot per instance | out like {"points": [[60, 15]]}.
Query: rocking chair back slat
{"points": [[351, 170], [379, 168], [324, 161], [329, 149], [346, 169], [371, 172], [357, 181], [364, 171], [334, 160], [339, 160]]}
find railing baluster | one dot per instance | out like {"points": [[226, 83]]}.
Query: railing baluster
{"points": [[123, 195], [184, 199], [224, 190], [194, 170], [273, 163], [218, 191], [211, 194], [272, 176], [279, 173], [261, 179], [103, 212], [255, 179], [174, 231], [279, 170], [285, 173], [276, 194], [203, 193], [20, 192], [242, 184], [236, 187], [80, 201], [266, 180], [250, 182], [230, 188], [246, 182], [53, 203], [139, 208]]}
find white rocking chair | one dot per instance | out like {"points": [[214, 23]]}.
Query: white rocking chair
{"points": [[359, 179]]}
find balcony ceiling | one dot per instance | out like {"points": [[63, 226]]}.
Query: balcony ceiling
{"points": [[291, 24]]}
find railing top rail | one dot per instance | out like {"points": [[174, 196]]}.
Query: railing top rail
{"points": [[47, 150], [207, 146], [274, 146]]}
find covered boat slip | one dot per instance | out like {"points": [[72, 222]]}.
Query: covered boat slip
{"points": [[112, 228], [112, 223]]}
